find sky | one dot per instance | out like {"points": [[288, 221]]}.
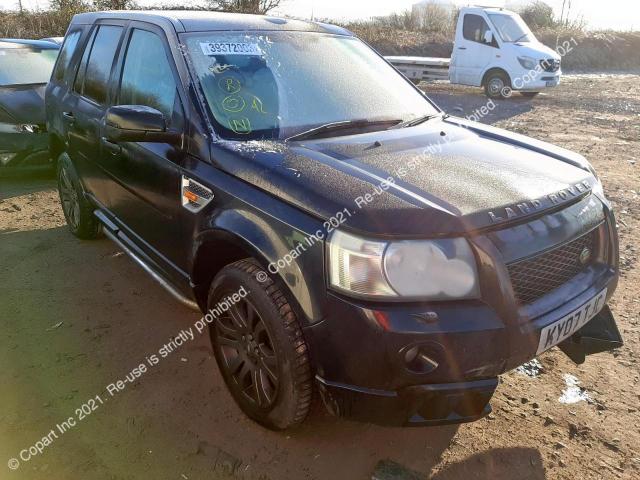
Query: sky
{"points": [[614, 14]]}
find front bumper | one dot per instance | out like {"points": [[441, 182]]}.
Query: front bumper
{"points": [[24, 152], [414, 406], [362, 352], [523, 80]]}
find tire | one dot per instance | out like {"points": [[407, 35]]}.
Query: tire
{"points": [[78, 212], [529, 94], [497, 85], [259, 347]]}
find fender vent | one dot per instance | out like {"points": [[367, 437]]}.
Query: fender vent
{"points": [[195, 196]]}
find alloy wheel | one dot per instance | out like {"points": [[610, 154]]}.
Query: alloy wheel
{"points": [[70, 201], [248, 353]]}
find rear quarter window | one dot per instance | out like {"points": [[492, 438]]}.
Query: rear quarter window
{"points": [[68, 49]]}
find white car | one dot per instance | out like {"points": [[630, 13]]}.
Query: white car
{"points": [[495, 49]]}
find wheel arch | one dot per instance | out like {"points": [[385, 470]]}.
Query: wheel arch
{"points": [[56, 148], [235, 235], [494, 70]]}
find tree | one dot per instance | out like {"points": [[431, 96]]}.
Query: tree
{"points": [[538, 15], [435, 18], [260, 7], [68, 5], [113, 4]]}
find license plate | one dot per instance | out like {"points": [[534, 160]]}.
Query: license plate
{"points": [[552, 83], [569, 324]]}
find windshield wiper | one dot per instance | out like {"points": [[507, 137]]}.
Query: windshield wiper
{"points": [[416, 121], [520, 38], [336, 126]]}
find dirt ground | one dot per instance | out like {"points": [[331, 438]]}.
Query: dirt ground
{"points": [[77, 316]]}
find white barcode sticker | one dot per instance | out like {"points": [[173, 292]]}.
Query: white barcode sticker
{"points": [[230, 48]]}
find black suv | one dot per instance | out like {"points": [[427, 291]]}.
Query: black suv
{"points": [[341, 233]]}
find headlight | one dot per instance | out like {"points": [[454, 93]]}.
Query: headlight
{"points": [[29, 128], [5, 158], [416, 269], [528, 62]]}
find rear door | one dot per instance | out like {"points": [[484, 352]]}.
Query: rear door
{"points": [[472, 54], [85, 106], [145, 191]]}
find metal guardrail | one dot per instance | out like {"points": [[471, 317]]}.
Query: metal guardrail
{"points": [[421, 68]]}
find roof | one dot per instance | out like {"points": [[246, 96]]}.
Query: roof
{"points": [[26, 43], [201, 21]]}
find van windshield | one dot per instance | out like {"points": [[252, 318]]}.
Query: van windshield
{"points": [[511, 28], [26, 66], [272, 85]]}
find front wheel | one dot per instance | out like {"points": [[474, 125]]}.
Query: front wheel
{"points": [[259, 346], [497, 85]]}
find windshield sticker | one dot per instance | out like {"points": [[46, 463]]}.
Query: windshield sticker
{"points": [[230, 48]]}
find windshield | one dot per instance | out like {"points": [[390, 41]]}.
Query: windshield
{"points": [[511, 28], [278, 84], [25, 66]]}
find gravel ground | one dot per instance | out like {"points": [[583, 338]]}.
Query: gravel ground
{"points": [[78, 316]]}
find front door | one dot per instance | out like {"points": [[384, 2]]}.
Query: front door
{"points": [[472, 52], [145, 191]]}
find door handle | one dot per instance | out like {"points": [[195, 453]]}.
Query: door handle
{"points": [[68, 116], [113, 148], [462, 48]]}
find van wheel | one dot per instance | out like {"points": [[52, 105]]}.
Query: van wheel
{"points": [[259, 346], [529, 94], [78, 212], [497, 85]]}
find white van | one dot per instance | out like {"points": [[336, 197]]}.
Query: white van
{"points": [[495, 49]]}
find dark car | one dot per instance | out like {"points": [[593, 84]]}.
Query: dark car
{"points": [[25, 68], [340, 233]]}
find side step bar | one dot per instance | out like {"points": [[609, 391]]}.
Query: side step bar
{"points": [[114, 234]]}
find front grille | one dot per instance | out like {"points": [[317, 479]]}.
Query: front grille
{"points": [[550, 65], [536, 276]]}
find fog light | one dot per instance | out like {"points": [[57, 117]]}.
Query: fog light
{"points": [[416, 360]]}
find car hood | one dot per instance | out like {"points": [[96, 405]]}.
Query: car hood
{"points": [[445, 177], [536, 50], [23, 104]]}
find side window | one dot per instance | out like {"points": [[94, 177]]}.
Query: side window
{"points": [[69, 47], [79, 81], [147, 78], [94, 77], [474, 28]]}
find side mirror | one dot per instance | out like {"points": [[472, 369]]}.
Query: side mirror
{"points": [[137, 123], [488, 37]]}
